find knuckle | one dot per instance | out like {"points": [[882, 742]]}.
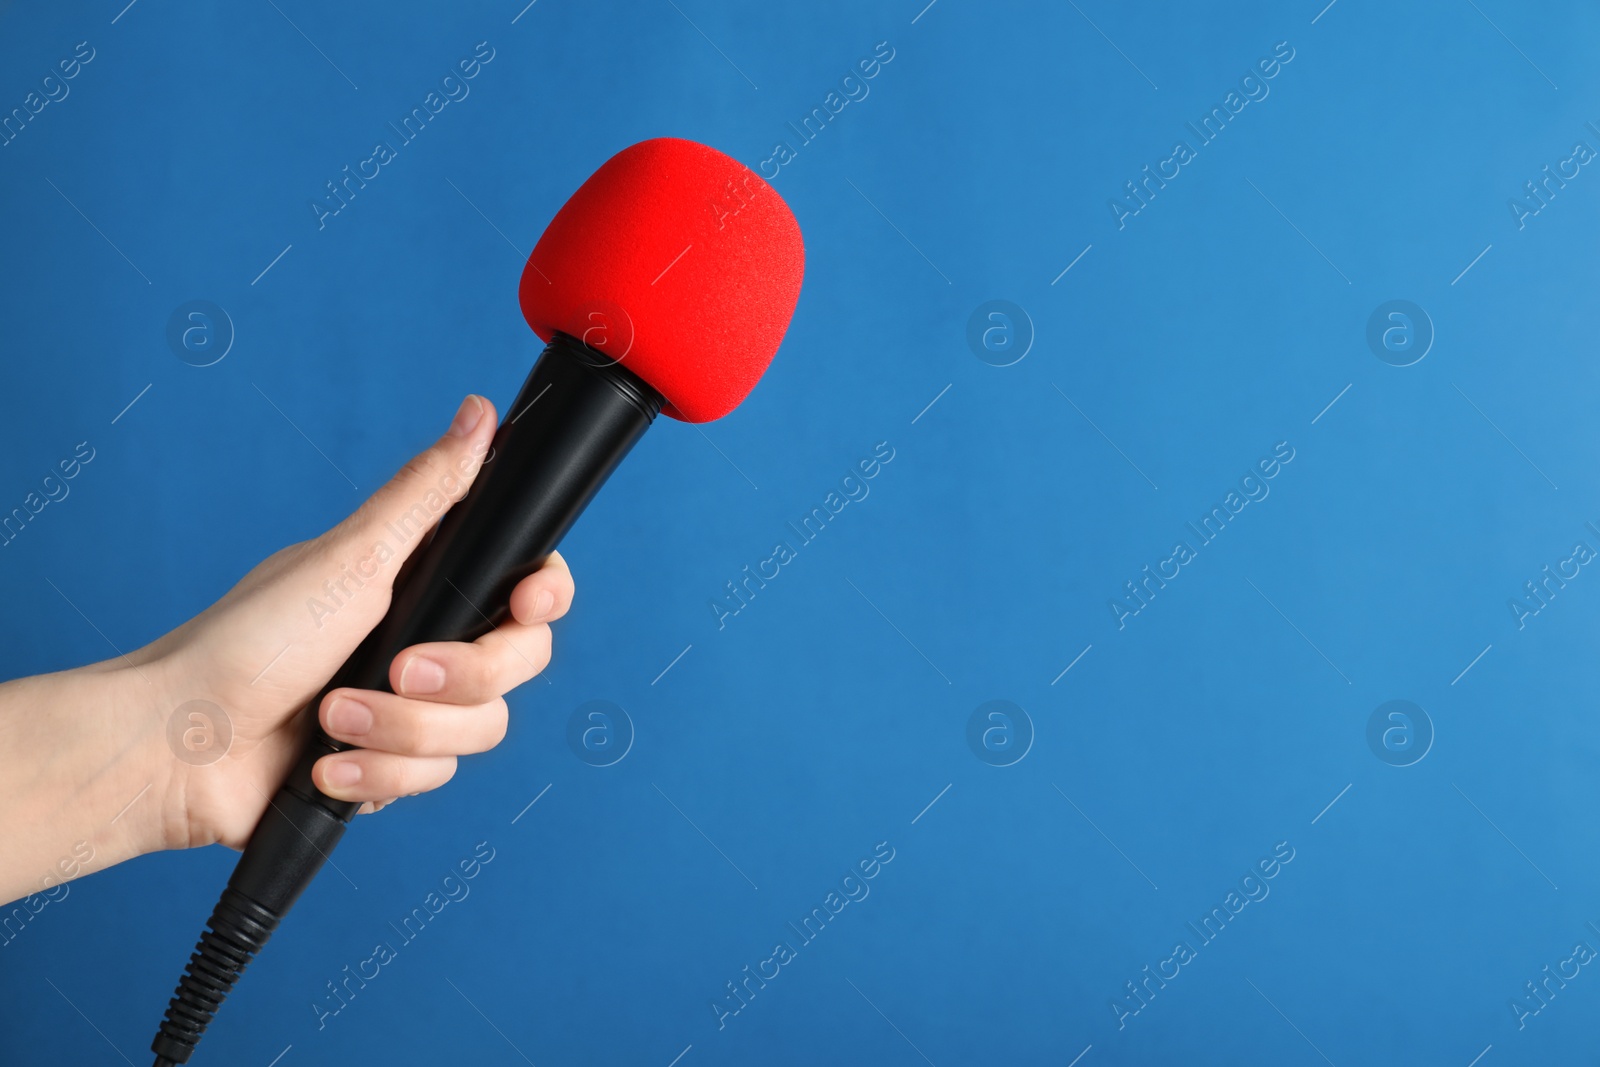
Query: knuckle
{"points": [[400, 777], [324, 554], [362, 518], [284, 557], [480, 677], [419, 467], [408, 732]]}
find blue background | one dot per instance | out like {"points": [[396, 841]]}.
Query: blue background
{"points": [[1175, 753]]}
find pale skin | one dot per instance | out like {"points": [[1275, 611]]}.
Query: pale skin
{"points": [[86, 764]]}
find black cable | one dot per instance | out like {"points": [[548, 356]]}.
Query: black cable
{"points": [[234, 934]]}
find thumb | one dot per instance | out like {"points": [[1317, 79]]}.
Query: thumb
{"points": [[391, 523], [308, 597]]}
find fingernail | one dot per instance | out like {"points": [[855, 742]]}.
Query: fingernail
{"points": [[543, 603], [343, 773], [421, 676], [467, 416], [349, 718]]}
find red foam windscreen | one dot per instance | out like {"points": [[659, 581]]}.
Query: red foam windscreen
{"points": [[679, 262]]}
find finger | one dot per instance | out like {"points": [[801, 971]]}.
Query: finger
{"points": [[379, 776], [459, 672], [385, 722], [545, 595], [384, 530]]}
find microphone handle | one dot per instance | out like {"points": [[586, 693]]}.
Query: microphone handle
{"points": [[577, 415]]}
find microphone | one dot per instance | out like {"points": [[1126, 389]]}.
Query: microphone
{"points": [[664, 284]]}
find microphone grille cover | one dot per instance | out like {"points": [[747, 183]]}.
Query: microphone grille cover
{"points": [[678, 261]]}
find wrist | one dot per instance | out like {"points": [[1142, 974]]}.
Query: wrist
{"points": [[137, 809], [90, 786]]}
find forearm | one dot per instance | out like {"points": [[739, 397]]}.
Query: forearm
{"points": [[84, 770]]}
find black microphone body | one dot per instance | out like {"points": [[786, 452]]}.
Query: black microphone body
{"points": [[577, 415]]}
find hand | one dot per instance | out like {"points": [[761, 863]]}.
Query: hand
{"points": [[260, 654]]}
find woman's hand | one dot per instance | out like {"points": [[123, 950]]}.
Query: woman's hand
{"points": [[76, 746]]}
